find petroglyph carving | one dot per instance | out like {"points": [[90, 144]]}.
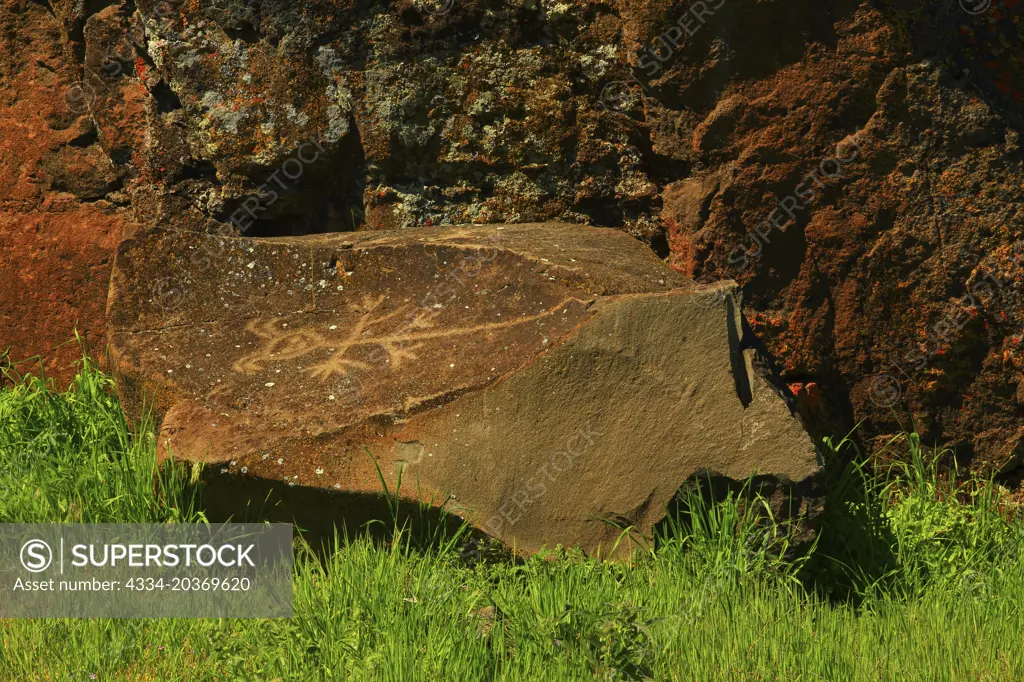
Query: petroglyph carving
{"points": [[396, 335]]}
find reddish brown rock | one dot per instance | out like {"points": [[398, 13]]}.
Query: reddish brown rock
{"points": [[685, 124], [538, 377], [54, 270], [58, 231]]}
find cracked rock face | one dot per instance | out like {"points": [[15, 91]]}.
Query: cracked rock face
{"points": [[854, 166], [542, 379]]}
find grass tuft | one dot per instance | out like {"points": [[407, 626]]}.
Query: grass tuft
{"points": [[69, 457]]}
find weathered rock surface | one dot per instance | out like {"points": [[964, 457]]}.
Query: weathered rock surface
{"points": [[540, 378], [59, 219], [433, 112]]}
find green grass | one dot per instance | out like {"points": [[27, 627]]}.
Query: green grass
{"points": [[70, 457], [916, 575]]}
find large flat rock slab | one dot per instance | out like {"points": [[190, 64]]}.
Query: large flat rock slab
{"points": [[541, 379]]}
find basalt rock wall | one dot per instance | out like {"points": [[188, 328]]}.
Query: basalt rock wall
{"points": [[855, 166]]}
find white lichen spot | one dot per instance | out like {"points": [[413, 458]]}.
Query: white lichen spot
{"points": [[295, 116]]}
